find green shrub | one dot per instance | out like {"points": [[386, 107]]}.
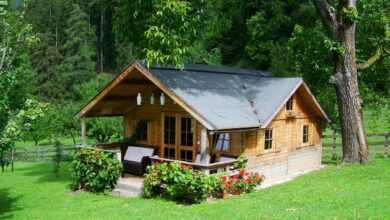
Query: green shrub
{"points": [[178, 183], [240, 163], [95, 170], [217, 186]]}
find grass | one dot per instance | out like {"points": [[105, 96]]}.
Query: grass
{"points": [[336, 192]]}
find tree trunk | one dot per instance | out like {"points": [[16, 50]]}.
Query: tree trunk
{"points": [[345, 81], [101, 40]]}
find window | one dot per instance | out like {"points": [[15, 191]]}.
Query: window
{"points": [[187, 135], [169, 153], [268, 139], [170, 130], [186, 155], [289, 104], [305, 134], [223, 142], [142, 130]]}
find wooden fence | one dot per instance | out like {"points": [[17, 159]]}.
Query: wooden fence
{"points": [[43, 153], [379, 143]]}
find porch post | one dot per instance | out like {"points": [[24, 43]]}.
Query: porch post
{"points": [[204, 147], [83, 132]]}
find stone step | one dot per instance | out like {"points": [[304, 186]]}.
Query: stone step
{"points": [[126, 193], [129, 187]]}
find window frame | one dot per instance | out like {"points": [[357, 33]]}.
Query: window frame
{"points": [[290, 104], [305, 134], [268, 139], [169, 153], [188, 155], [144, 137], [171, 130], [186, 131], [226, 139]]}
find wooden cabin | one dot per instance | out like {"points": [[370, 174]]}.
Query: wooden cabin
{"points": [[195, 113]]}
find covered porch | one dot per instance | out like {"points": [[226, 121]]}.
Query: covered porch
{"points": [[159, 127]]}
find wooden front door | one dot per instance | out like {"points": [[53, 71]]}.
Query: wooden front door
{"points": [[178, 132]]}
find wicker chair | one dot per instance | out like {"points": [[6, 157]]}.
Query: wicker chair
{"points": [[136, 159]]}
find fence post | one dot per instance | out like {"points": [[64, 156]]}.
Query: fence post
{"points": [[57, 158], [37, 153], [12, 159], [334, 151], [387, 144]]}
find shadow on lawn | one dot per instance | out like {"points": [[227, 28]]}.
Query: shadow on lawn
{"points": [[7, 204], [44, 172]]}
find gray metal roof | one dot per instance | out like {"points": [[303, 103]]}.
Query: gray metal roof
{"points": [[228, 98]]}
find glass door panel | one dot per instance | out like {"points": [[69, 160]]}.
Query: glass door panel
{"points": [[169, 137], [187, 138]]}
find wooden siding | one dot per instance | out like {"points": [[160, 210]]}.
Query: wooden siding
{"points": [[287, 128], [153, 114]]}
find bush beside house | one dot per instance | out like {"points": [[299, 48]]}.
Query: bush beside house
{"points": [[182, 184], [95, 170]]}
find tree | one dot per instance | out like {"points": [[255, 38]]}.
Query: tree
{"points": [[32, 121], [25, 121], [172, 28], [16, 74], [48, 19], [164, 32], [79, 51], [101, 16], [341, 26], [47, 59]]}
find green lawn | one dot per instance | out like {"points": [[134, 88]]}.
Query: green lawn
{"points": [[336, 192]]}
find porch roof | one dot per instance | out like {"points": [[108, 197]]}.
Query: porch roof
{"points": [[224, 97]]}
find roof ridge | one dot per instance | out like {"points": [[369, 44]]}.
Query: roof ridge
{"points": [[233, 70]]}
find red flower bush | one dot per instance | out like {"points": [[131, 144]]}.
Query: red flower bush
{"points": [[243, 182]]}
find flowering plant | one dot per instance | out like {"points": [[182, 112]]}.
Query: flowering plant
{"points": [[243, 182]]}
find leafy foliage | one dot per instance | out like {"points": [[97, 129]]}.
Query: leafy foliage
{"points": [[25, 121], [175, 182], [32, 121], [350, 14], [170, 31], [104, 129], [79, 52], [101, 129], [182, 184], [16, 73], [95, 170]]}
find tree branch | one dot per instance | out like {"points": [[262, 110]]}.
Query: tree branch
{"points": [[2, 59], [379, 54], [328, 16]]}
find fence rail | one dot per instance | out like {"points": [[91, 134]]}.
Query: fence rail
{"points": [[379, 143], [43, 153], [385, 134], [331, 144]]}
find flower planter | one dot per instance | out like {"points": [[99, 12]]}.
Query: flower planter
{"points": [[225, 195], [236, 192]]}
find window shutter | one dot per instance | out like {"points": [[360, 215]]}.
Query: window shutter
{"points": [[277, 134], [260, 142], [236, 143]]}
